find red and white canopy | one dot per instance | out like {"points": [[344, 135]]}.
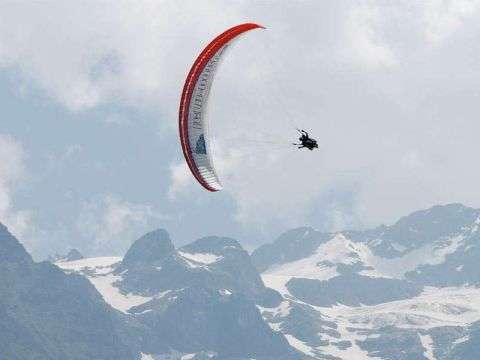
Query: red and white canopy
{"points": [[193, 123]]}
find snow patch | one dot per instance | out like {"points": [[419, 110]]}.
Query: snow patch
{"points": [[277, 282], [347, 333], [277, 327], [427, 343], [202, 258], [430, 254], [99, 271], [375, 242], [89, 263], [113, 296], [281, 310], [188, 357], [143, 312], [475, 226], [434, 307], [352, 352], [461, 340], [320, 265], [398, 247], [299, 345]]}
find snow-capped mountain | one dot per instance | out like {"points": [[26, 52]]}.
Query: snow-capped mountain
{"points": [[195, 302], [406, 291]]}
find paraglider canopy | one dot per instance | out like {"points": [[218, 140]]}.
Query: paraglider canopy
{"points": [[193, 124]]}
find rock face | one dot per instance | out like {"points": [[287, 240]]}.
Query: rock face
{"points": [[45, 314], [149, 249], [198, 319], [152, 265], [352, 290], [406, 291], [203, 296], [11, 251], [293, 245]]}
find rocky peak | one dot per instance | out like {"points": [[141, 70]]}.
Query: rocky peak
{"points": [[427, 226], [153, 246], [290, 246], [10, 248], [73, 255]]}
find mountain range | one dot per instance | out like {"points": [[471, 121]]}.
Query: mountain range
{"points": [[405, 291]]}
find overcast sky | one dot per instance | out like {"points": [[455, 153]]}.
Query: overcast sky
{"points": [[89, 92]]}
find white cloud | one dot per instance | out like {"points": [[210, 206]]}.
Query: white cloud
{"points": [[443, 18], [394, 115], [181, 179], [110, 223], [365, 42], [372, 98], [11, 174], [86, 54]]}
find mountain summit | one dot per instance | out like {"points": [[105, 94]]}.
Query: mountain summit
{"points": [[150, 248], [200, 299], [11, 251]]}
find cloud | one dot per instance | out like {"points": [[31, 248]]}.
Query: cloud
{"points": [[84, 55], [443, 18], [181, 179], [365, 42], [12, 172], [372, 97], [388, 88], [110, 223]]}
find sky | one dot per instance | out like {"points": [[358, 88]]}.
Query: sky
{"points": [[89, 94]]}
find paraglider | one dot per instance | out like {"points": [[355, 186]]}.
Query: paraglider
{"points": [[193, 119], [193, 124], [306, 141]]}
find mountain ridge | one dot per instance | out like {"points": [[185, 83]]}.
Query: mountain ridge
{"points": [[428, 310], [410, 290]]}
